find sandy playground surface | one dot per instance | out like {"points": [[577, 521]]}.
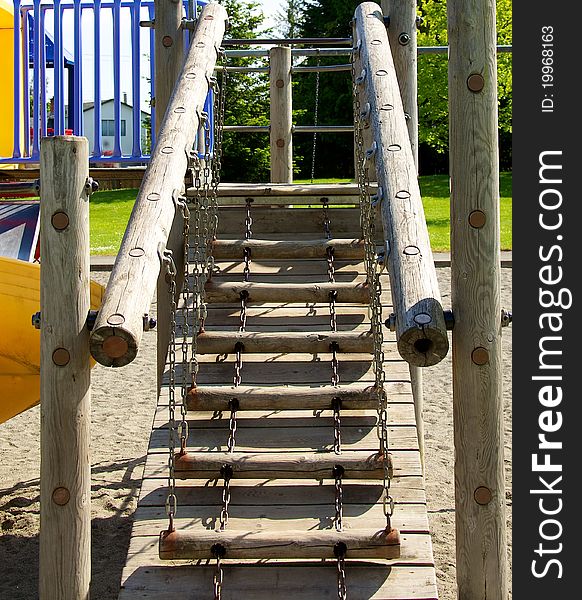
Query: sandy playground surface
{"points": [[123, 409]]}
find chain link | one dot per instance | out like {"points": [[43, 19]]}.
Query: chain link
{"points": [[218, 551], [340, 554], [374, 269], [315, 117], [226, 473], [171, 501]]}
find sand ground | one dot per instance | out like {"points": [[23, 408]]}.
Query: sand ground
{"points": [[123, 408]]}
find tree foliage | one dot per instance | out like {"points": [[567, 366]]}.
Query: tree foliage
{"points": [[433, 86], [245, 156]]}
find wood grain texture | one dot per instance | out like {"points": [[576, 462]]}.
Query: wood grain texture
{"points": [[357, 465], [285, 292], [281, 117], [420, 326], [135, 273], [477, 393], [65, 388], [169, 53], [344, 249], [366, 543], [224, 342]]}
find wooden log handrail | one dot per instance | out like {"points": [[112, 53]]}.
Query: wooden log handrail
{"points": [[119, 326], [420, 326]]}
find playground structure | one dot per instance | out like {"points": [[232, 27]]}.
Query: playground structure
{"points": [[252, 302]]}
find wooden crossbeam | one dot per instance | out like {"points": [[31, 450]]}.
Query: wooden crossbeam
{"points": [[321, 543], [225, 342], [352, 397], [322, 465], [220, 292], [343, 249]]}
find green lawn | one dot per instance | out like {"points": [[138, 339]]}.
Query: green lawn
{"points": [[110, 212]]}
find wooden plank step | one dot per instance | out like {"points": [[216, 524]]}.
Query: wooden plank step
{"points": [[353, 396], [363, 543], [293, 580], [343, 249], [408, 518], [280, 492], [288, 342], [322, 465], [289, 268], [406, 463], [283, 220], [286, 292]]}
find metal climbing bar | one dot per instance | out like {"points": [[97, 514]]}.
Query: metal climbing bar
{"points": [[419, 321], [119, 327]]}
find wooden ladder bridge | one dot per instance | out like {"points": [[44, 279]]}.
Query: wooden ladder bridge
{"points": [[285, 455]]}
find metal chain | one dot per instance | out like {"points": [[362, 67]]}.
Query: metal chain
{"points": [[219, 552], [340, 554], [171, 501], [373, 272], [226, 473], [315, 117], [326, 219]]}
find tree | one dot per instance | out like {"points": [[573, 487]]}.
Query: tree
{"points": [[245, 156], [433, 86]]}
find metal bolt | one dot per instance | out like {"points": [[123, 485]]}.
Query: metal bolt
{"points": [[279, 83], [386, 20], [60, 220], [404, 39], [91, 318], [149, 322], [477, 219], [36, 320], [391, 322], [506, 318], [280, 143], [449, 319], [167, 41], [91, 185]]}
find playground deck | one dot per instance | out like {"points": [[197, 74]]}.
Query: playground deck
{"points": [[287, 505]]}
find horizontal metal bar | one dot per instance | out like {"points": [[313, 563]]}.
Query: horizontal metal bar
{"points": [[288, 41], [320, 68], [259, 52], [323, 129], [295, 129], [241, 69]]}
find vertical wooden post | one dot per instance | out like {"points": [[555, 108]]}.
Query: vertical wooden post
{"points": [[65, 388], [169, 53], [169, 57], [403, 44], [475, 260], [281, 115]]}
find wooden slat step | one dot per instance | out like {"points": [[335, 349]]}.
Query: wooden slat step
{"points": [[283, 221], [286, 292], [320, 465], [353, 396], [343, 249], [363, 543], [225, 342]]}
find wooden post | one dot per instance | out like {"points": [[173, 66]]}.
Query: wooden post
{"points": [[281, 115], [169, 53], [402, 38], [65, 392], [119, 326], [169, 57], [475, 260], [420, 326]]}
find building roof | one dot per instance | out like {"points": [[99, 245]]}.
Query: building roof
{"points": [[90, 105]]}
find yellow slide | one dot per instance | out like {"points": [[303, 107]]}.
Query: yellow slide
{"points": [[19, 340]]}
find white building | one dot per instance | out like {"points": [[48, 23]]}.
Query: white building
{"points": [[108, 127]]}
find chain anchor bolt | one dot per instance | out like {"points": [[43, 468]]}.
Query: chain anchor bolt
{"points": [[149, 323]]}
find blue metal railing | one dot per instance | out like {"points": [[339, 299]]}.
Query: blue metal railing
{"points": [[56, 55]]}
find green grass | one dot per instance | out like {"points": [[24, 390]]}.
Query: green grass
{"points": [[110, 212]]}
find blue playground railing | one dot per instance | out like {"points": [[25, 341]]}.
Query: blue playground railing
{"points": [[61, 53]]}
